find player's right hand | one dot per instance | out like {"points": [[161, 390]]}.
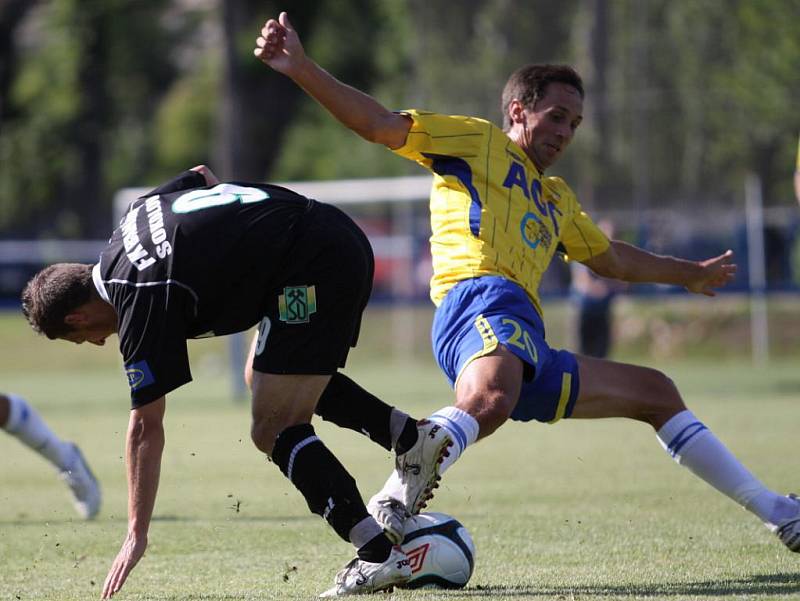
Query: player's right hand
{"points": [[279, 47], [127, 558]]}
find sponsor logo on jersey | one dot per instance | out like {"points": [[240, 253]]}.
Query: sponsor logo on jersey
{"points": [[139, 375], [297, 304], [534, 232], [416, 557]]}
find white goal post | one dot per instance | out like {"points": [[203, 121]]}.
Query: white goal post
{"points": [[337, 192]]}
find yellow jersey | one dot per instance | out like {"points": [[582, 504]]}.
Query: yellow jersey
{"points": [[492, 212]]}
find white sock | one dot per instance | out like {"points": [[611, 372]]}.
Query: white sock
{"points": [[364, 531], [463, 429], [397, 421], [25, 424], [693, 445]]}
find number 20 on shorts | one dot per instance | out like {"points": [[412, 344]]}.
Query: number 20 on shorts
{"points": [[521, 339]]}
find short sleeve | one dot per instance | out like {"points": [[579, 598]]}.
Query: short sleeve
{"points": [[433, 134], [152, 336], [580, 236]]}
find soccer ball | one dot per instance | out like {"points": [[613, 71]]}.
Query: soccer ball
{"points": [[440, 550]]}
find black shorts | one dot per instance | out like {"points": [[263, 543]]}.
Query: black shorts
{"points": [[313, 316]]}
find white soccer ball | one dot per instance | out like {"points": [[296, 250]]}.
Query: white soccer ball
{"points": [[440, 550]]}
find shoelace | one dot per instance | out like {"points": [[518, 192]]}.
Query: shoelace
{"points": [[341, 577]]}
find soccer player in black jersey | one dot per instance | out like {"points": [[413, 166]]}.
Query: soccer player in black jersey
{"points": [[197, 258]]}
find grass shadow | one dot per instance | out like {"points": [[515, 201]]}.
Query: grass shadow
{"points": [[781, 584]]}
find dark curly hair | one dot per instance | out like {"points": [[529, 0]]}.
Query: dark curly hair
{"points": [[529, 83], [54, 293]]}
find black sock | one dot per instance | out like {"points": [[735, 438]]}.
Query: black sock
{"points": [[347, 405], [408, 437], [377, 550], [329, 490]]}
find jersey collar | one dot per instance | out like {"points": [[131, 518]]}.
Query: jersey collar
{"points": [[524, 155], [97, 279]]}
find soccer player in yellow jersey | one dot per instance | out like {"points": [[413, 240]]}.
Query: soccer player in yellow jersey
{"points": [[497, 221]]}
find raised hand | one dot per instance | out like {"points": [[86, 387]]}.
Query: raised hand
{"points": [[279, 47], [716, 273]]}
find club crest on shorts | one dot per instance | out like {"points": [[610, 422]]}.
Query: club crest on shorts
{"points": [[297, 303]]}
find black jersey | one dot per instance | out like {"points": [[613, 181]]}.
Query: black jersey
{"points": [[190, 261]]}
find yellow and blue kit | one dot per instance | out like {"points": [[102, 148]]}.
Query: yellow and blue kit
{"points": [[496, 224]]}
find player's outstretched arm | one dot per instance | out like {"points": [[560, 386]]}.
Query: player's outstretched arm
{"points": [[279, 47], [630, 263], [145, 444]]}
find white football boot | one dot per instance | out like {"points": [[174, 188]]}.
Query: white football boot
{"points": [[391, 514], [411, 484], [362, 577], [82, 483], [788, 530]]}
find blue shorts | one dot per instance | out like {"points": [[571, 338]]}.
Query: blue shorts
{"points": [[480, 313]]}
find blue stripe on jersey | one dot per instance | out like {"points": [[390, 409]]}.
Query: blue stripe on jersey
{"points": [[446, 165], [684, 436], [452, 427]]}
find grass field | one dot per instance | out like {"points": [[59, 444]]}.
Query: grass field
{"points": [[578, 510]]}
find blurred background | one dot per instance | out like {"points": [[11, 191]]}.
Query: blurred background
{"points": [[688, 147]]}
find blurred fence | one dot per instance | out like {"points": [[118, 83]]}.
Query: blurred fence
{"points": [[394, 214]]}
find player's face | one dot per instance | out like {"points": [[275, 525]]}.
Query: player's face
{"points": [[94, 335], [93, 323], [552, 123]]}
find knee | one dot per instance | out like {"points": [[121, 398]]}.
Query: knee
{"points": [[664, 390], [663, 399], [265, 429], [263, 435], [490, 407]]}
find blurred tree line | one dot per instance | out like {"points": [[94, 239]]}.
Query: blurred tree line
{"points": [[683, 98]]}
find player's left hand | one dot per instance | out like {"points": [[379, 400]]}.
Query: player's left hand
{"points": [[279, 46], [715, 273], [127, 558]]}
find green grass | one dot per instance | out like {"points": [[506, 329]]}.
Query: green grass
{"points": [[578, 510]]}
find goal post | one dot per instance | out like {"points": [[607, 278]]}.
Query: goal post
{"points": [[342, 192]]}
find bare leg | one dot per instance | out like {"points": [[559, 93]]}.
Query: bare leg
{"points": [[610, 389]]}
